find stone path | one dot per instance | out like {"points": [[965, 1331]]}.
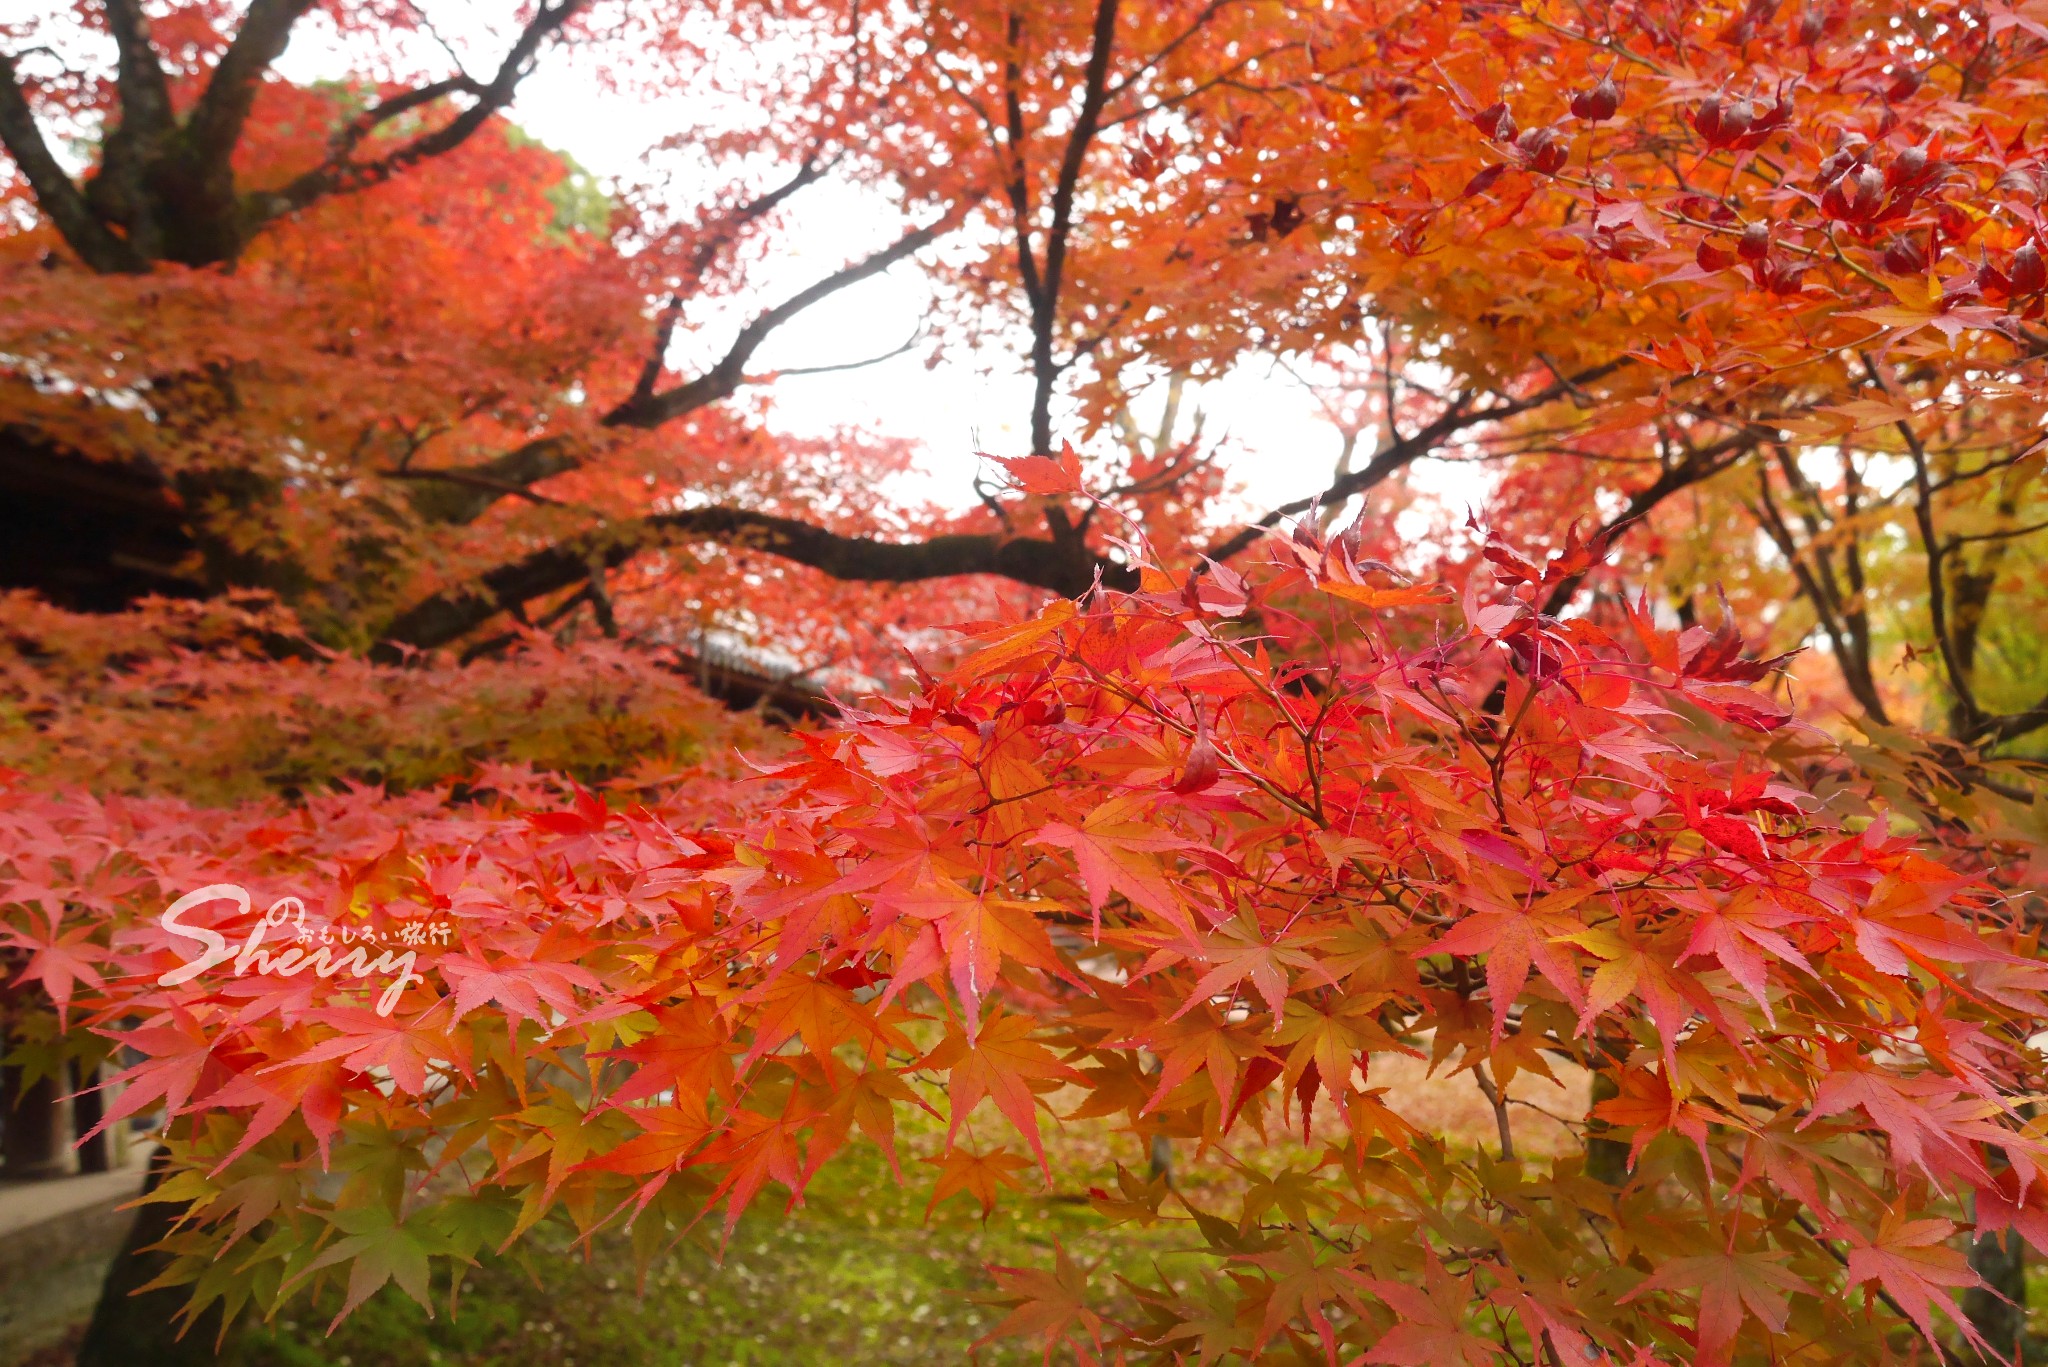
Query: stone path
{"points": [[26, 1204], [56, 1238]]}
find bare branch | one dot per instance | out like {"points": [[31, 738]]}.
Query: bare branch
{"points": [[381, 113], [463, 494], [715, 241], [907, 343], [1967, 711], [1200, 22], [1019, 184], [1094, 84], [2004, 534], [56, 195], [1398, 455], [339, 174], [1057, 567], [469, 479], [649, 410], [1700, 464], [145, 93], [2009, 726], [216, 123], [466, 493]]}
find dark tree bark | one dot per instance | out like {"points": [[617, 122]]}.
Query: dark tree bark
{"points": [[165, 188], [33, 1128], [1998, 1309], [87, 1107], [1067, 568], [130, 1329]]}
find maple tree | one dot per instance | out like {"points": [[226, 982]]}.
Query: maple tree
{"points": [[1247, 805], [1637, 296], [1138, 827]]}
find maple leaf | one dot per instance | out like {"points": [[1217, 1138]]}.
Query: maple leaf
{"points": [[1005, 646], [58, 963], [756, 1147], [686, 1053], [1735, 933], [258, 1192], [669, 1134], [177, 1053], [1730, 1285], [1413, 595], [1632, 967], [1239, 951], [1514, 941], [1910, 1258], [1048, 1304], [979, 933], [1117, 851], [1005, 1064], [1646, 1104], [1431, 1330], [1044, 474], [312, 1089], [1907, 1109], [980, 1175], [871, 1102], [367, 1040], [796, 1005], [526, 987], [378, 1248]]}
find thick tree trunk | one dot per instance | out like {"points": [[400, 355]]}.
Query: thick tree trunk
{"points": [[97, 1153], [1606, 1157], [2001, 1261], [1998, 1309], [129, 1330], [1161, 1156], [34, 1128]]}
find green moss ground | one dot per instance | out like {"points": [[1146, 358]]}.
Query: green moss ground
{"points": [[857, 1276]]}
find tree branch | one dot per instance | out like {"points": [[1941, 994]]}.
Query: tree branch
{"points": [[1152, 63], [462, 495], [1055, 567], [381, 113], [700, 261], [1045, 314], [216, 123], [466, 493], [1819, 591], [1700, 464], [56, 195], [1018, 186], [338, 173], [2009, 726], [1967, 711], [1386, 461], [139, 77], [645, 410], [838, 366]]}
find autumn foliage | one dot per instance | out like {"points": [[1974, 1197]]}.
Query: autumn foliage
{"points": [[1259, 829], [377, 473], [190, 700]]}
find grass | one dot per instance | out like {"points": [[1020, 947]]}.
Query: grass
{"points": [[859, 1275], [856, 1276]]}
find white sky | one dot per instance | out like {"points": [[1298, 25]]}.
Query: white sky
{"points": [[1268, 432]]}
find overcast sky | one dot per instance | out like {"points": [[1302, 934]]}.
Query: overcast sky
{"points": [[1272, 439]]}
